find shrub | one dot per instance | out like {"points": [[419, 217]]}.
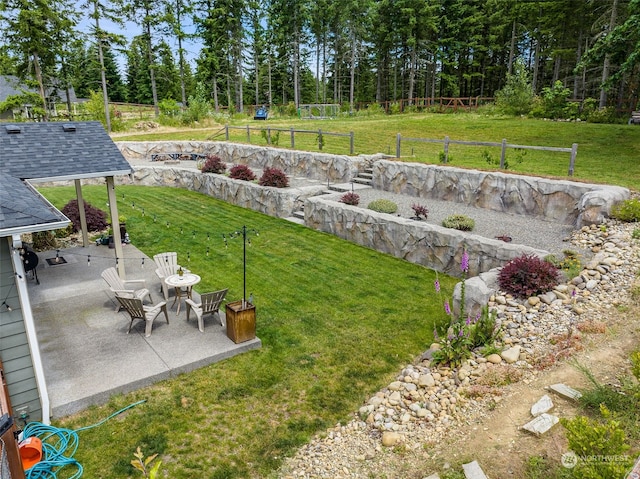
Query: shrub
{"points": [[459, 222], [96, 218], [420, 211], [242, 172], [350, 198], [214, 164], [274, 177], [516, 97], [527, 275], [383, 206], [628, 211]]}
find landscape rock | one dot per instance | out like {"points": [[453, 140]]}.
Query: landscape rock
{"points": [[512, 354], [544, 404], [565, 391], [541, 424], [390, 439]]}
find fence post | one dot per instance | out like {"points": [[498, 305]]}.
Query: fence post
{"points": [[351, 140], [293, 138], [226, 132], [248, 134], [320, 139], [446, 149], [503, 153], [572, 162], [268, 135], [398, 145]]}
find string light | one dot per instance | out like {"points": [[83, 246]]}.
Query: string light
{"points": [[188, 256], [208, 238], [4, 303], [142, 265], [193, 234], [181, 230], [207, 251], [142, 211], [88, 260]]}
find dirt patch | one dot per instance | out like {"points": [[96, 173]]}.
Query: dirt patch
{"points": [[496, 440]]}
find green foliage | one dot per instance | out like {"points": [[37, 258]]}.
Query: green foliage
{"points": [[16, 102], [383, 206], [199, 107], [527, 275], [169, 111], [635, 234], [394, 108], [270, 137], [635, 364], [627, 210], [603, 115], [599, 446], [143, 464], [43, 240], [518, 158], [95, 108], [571, 263], [516, 98], [483, 329], [552, 103], [459, 222]]}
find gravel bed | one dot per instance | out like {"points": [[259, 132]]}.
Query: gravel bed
{"points": [[534, 232]]}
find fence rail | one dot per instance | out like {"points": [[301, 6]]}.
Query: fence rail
{"points": [[504, 145], [292, 132]]}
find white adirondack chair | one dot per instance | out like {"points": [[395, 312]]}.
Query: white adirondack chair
{"points": [[166, 265]]}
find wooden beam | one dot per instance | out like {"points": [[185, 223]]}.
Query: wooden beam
{"points": [[115, 226], [83, 216]]}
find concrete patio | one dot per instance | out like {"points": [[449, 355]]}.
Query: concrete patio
{"points": [[88, 355]]}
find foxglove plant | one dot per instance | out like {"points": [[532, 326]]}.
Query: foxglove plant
{"points": [[463, 333]]}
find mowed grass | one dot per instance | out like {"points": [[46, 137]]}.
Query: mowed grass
{"points": [[607, 154], [337, 321]]}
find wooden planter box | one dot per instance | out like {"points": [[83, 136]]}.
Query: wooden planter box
{"points": [[241, 322]]}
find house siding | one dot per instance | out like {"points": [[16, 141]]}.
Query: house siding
{"points": [[14, 347]]}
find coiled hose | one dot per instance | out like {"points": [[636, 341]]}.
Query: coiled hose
{"points": [[58, 447]]}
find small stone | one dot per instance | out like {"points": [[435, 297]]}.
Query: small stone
{"points": [[426, 381], [494, 358], [533, 301], [473, 470], [512, 354], [390, 438], [545, 404]]}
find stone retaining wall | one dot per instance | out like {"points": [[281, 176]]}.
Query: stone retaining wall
{"points": [[278, 202], [415, 241], [566, 202], [319, 166]]}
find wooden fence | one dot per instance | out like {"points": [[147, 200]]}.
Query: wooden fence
{"points": [[292, 132], [504, 145]]}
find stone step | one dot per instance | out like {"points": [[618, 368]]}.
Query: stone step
{"points": [[362, 181], [365, 174], [299, 214], [295, 219], [344, 187], [473, 471]]}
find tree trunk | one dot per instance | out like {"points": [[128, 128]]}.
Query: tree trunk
{"points": [[412, 73], [352, 69], [181, 56], [607, 58], [152, 69], [36, 67], [512, 47], [103, 78], [216, 103]]}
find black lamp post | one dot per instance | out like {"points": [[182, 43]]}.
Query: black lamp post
{"points": [[236, 234]]}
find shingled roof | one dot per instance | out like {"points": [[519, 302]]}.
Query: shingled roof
{"points": [[49, 151], [22, 206]]}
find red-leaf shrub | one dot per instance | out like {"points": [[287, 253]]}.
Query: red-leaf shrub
{"points": [[242, 172], [420, 211], [96, 218], [528, 275], [350, 198], [214, 164], [274, 177]]}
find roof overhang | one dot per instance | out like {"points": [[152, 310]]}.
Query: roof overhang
{"points": [[81, 176]]}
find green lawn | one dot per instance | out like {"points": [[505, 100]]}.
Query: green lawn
{"points": [[606, 153], [337, 322]]}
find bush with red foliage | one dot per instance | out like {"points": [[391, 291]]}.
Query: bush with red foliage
{"points": [[528, 275], [214, 164], [350, 198], [274, 177], [242, 172], [96, 218]]}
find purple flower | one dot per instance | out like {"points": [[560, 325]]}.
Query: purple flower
{"points": [[464, 262], [476, 318], [437, 286], [461, 333], [468, 321], [447, 309], [435, 334]]}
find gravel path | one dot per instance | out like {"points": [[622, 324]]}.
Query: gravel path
{"points": [[534, 232]]}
